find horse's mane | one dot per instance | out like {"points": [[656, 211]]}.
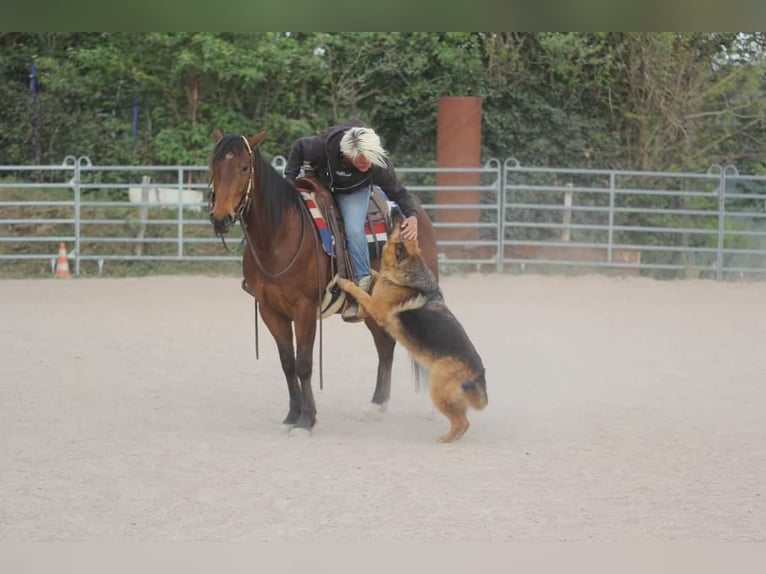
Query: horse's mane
{"points": [[276, 192]]}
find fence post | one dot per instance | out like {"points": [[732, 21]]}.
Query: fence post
{"points": [[566, 230], [143, 214], [610, 232], [77, 215], [279, 162], [500, 205], [82, 161], [181, 211], [503, 184], [721, 224]]}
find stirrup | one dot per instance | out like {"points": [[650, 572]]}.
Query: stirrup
{"points": [[333, 300], [351, 313], [366, 283]]}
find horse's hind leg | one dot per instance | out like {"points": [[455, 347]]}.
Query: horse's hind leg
{"points": [[282, 331], [384, 344]]}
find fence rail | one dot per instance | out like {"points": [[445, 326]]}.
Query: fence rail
{"points": [[502, 216]]}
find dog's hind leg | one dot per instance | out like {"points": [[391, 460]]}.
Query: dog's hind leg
{"points": [[449, 399], [457, 419]]}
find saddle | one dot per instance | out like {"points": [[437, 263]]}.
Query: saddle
{"points": [[378, 227]]}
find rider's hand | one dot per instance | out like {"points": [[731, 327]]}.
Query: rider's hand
{"points": [[410, 228]]}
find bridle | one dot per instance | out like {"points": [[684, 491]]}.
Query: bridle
{"points": [[241, 211], [244, 203], [306, 220]]}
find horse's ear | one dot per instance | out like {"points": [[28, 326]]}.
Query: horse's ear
{"points": [[257, 138], [217, 135]]}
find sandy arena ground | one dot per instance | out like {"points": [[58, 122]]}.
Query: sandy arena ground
{"points": [[620, 410]]}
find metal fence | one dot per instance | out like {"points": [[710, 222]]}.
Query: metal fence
{"points": [[502, 216], [663, 224]]}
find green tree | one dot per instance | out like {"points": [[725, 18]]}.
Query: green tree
{"points": [[621, 100]]}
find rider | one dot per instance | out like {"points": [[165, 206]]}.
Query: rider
{"points": [[349, 159]]}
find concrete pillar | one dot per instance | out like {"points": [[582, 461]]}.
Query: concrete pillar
{"points": [[458, 144]]}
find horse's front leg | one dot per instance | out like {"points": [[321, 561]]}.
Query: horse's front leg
{"points": [[305, 332], [384, 344], [281, 329]]}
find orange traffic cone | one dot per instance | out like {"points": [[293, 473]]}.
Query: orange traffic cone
{"points": [[62, 263]]}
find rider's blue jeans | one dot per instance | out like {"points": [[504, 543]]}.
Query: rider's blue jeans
{"points": [[353, 209]]}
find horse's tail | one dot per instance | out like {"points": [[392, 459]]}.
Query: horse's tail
{"points": [[475, 391]]}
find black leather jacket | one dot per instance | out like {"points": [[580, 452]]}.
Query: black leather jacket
{"points": [[322, 152]]}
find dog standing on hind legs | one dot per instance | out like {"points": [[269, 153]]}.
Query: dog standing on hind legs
{"points": [[406, 301]]}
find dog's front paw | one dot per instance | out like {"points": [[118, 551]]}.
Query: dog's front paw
{"points": [[345, 284]]}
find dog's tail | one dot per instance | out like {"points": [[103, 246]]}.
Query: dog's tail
{"points": [[475, 391]]}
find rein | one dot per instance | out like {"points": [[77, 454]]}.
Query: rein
{"points": [[253, 252], [242, 209], [244, 203], [304, 214], [226, 246]]}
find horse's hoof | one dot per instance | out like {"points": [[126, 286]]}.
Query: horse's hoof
{"points": [[373, 411], [299, 432], [292, 418], [376, 408]]}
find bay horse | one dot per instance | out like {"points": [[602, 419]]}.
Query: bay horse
{"points": [[285, 266]]}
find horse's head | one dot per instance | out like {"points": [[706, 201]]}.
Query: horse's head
{"points": [[232, 179]]}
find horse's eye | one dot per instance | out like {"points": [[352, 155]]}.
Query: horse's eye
{"points": [[244, 168]]}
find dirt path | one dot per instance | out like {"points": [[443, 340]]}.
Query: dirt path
{"points": [[619, 410]]}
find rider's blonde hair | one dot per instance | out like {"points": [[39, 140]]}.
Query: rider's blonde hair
{"points": [[364, 142]]}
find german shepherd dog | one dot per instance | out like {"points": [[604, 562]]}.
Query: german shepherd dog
{"points": [[406, 301]]}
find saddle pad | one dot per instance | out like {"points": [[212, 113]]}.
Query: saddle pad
{"points": [[375, 233], [328, 241]]}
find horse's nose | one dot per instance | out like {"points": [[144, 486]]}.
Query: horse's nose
{"points": [[221, 225]]}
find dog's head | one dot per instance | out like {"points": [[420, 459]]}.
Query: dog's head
{"points": [[397, 249]]}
